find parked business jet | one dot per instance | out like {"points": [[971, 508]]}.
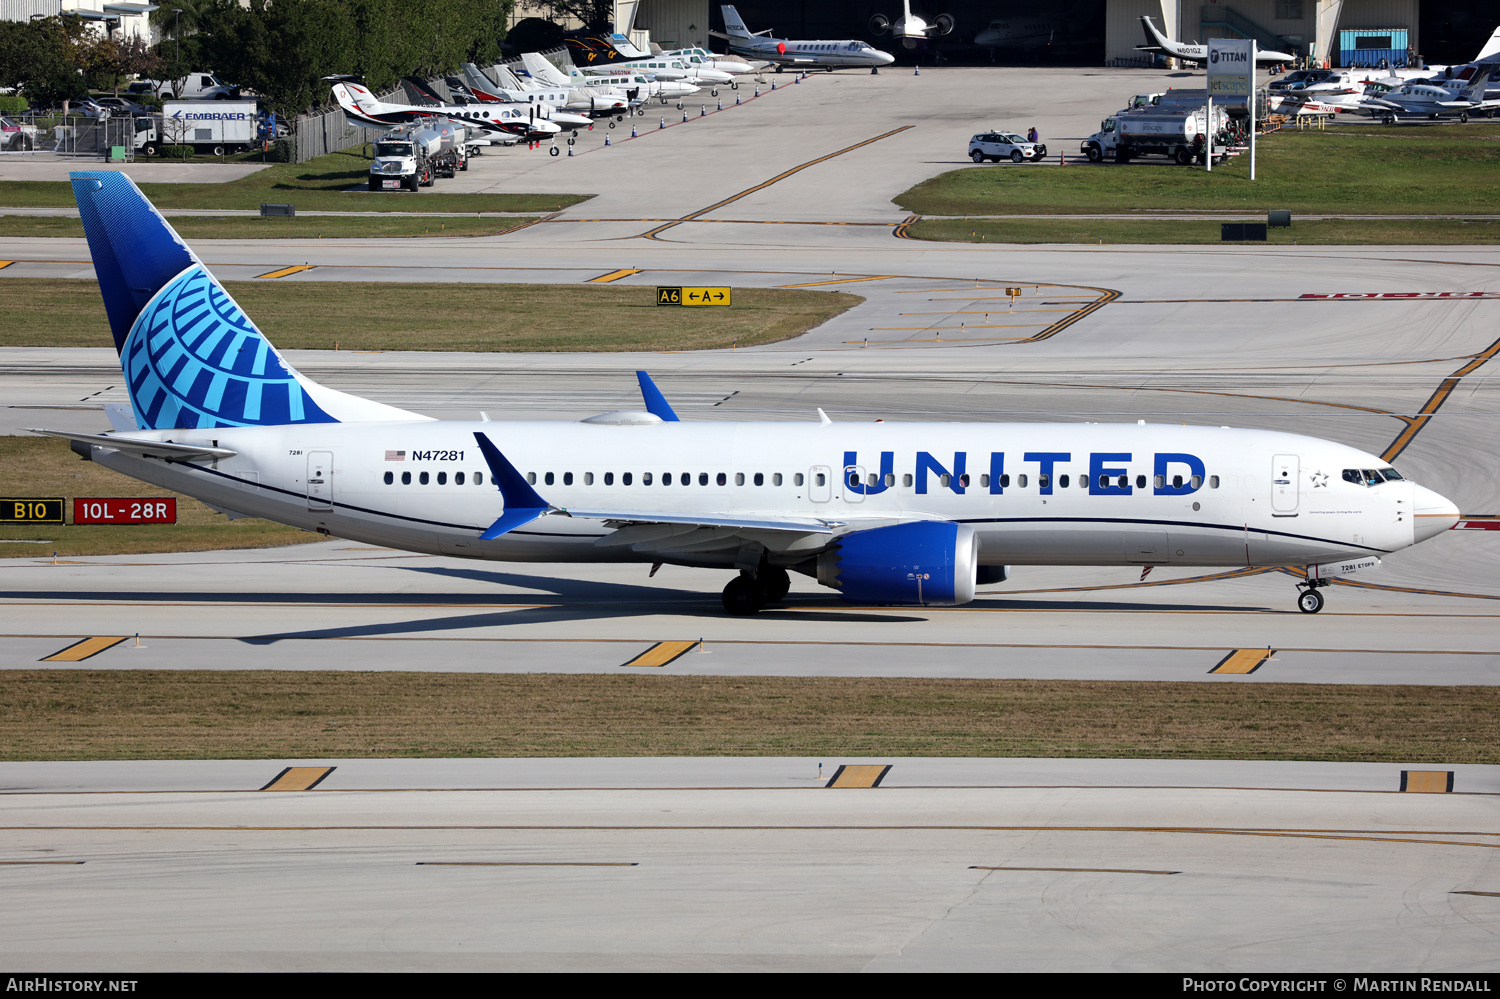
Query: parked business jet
{"points": [[909, 29], [1199, 53], [819, 53], [364, 110], [1459, 97], [476, 85], [885, 513]]}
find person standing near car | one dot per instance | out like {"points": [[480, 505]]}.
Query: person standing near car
{"points": [[1032, 135]]}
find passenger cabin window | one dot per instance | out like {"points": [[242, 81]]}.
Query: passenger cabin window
{"points": [[588, 478], [702, 478], [906, 480], [458, 478], [547, 478], [422, 478], [479, 478], [609, 478], [389, 478], [646, 477], [1020, 480], [797, 479], [406, 478], [531, 476], [760, 478], [775, 478], [567, 478], [1213, 482], [1062, 480], [625, 479], [442, 478], [739, 478], [1044, 480], [822, 479]]}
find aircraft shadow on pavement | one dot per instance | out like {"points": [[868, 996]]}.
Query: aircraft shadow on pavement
{"points": [[571, 613]]}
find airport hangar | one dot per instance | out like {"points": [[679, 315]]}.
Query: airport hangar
{"points": [[1095, 32]]}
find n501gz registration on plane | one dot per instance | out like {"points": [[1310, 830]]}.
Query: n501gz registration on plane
{"points": [[885, 513]]}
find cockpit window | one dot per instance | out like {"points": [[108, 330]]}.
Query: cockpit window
{"points": [[1370, 476]]}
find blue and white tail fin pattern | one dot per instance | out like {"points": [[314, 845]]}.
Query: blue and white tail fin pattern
{"points": [[191, 357]]}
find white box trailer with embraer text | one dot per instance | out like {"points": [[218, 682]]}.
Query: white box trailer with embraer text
{"points": [[210, 126]]}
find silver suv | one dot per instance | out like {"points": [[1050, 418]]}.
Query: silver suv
{"points": [[995, 145]]}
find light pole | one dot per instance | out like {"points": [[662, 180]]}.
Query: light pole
{"points": [[177, 33]]}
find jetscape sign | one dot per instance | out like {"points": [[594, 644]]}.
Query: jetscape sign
{"points": [[1356, 295]]}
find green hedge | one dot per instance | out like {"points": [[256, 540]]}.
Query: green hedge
{"points": [[174, 152], [12, 104]]}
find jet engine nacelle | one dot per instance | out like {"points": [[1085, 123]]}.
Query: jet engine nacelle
{"points": [[879, 24], [925, 562]]}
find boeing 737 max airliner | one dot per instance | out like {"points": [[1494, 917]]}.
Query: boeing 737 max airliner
{"points": [[886, 513]]}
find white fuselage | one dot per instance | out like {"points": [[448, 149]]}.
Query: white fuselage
{"points": [[829, 54], [1069, 494]]}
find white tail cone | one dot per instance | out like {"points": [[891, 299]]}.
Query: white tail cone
{"points": [[1434, 513]]}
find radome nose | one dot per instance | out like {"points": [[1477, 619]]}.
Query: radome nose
{"points": [[1434, 513]]}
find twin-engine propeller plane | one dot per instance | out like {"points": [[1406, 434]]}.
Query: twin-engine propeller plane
{"points": [[885, 513]]}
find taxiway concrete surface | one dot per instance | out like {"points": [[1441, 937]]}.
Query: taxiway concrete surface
{"points": [[749, 864]]}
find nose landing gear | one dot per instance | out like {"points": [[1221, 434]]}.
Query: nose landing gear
{"points": [[1310, 601]]}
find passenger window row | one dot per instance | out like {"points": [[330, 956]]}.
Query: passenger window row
{"points": [[1366, 477], [667, 478], [423, 478]]}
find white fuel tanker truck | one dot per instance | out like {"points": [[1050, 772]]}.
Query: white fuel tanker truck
{"points": [[1179, 132], [417, 155]]}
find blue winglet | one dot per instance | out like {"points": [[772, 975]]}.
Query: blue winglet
{"points": [[522, 504], [656, 403]]}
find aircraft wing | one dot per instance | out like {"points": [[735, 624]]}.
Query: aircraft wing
{"points": [[801, 525], [146, 449]]}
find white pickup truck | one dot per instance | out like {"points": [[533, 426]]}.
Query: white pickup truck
{"points": [[193, 87]]}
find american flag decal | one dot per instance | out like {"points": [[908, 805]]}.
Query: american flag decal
{"points": [[395, 456]]}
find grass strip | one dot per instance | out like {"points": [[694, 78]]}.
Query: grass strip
{"points": [[43, 466], [192, 714], [354, 315], [335, 182], [303, 227], [1426, 232], [1363, 170]]}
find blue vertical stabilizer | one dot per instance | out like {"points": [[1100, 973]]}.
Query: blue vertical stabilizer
{"points": [[191, 357], [135, 252]]}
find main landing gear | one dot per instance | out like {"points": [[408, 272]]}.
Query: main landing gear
{"points": [[1310, 601], [748, 592]]}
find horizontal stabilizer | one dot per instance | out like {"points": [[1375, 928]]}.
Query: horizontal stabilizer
{"points": [[146, 449]]}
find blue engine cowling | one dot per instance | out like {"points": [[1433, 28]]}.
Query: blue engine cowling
{"points": [[925, 562]]}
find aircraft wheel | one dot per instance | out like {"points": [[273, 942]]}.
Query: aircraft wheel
{"points": [[977, 156], [1310, 601], [572, 140], [714, 92], [679, 105], [618, 117], [734, 86], [556, 151], [773, 583], [1389, 119], [1463, 117], [611, 124], [742, 597], [1016, 156]]}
